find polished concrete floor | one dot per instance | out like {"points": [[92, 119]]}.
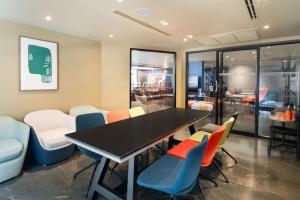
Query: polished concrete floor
{"points": [[255, 177]]}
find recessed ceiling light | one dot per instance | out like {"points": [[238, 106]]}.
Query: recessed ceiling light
{"points": [[120, 0], [253, 52], [227, 56], [143, 12], [48, 18], [164, 22], [266, 26], [190, 36], [185, 39], [111, 35], [268, 47]]}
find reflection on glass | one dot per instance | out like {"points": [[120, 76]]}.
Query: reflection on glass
{"points": [[237, 91], [152, 80], [201, 81], [279, 75]]}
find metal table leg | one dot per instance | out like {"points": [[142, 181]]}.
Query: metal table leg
{"points": [[130, 182], [97, 183]]}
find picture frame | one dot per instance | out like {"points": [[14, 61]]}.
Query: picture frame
{"points": [[38, 64]]}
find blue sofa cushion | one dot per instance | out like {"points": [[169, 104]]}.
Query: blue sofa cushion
{"points": [[10, 149]]}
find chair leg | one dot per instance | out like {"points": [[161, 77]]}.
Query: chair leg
{"points": [[224, 150], [201, 189], [209, 179], [90, 182], [85, 168], [218, 168], [114, 167], [161, 149], [270, 145]]}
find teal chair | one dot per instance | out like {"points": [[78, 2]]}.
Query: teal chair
{"points": [[14, 138], [173, 175]]}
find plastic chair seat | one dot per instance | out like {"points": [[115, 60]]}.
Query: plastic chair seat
{"points": [[181, 150], [10, 149], [161, 174], [55, 138], [210, 127], [198, 136]]}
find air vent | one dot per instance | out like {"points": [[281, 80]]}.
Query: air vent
{"points": [[226, 38], [140, 22], [251, 9]]}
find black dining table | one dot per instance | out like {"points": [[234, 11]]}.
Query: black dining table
{"points": [[123, 140]]}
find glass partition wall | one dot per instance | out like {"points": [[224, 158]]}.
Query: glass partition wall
{"points": [[152, 79], [279, 76], [253, 80]]}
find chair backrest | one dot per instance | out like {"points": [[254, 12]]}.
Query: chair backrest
{"points": [[228, 127], [235, 116], [90, 120], [212, 146], [117, 116], [11, 128], [44, 120], [81, 110], [263, 92], [190, 169], [136, 111]]}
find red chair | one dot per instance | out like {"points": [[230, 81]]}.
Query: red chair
{"points": [[183, 148]]}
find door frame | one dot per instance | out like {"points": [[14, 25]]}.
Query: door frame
{"points": [[256, 47]]}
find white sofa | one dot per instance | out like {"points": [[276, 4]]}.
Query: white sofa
{"points": [[47, 138]]}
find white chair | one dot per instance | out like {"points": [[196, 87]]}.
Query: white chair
{"points": [[48, 144], [86, 109]]}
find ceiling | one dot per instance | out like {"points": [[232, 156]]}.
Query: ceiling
{"points": [[277, 53], [95, 19]]}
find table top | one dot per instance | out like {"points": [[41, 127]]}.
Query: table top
{"points": [[279, 118], [121, 139]]}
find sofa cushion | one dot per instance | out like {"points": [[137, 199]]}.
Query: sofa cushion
{"points": [[10, 149], [55, 138]]}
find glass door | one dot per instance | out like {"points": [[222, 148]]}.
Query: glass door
{"points": [[201, 81], [237, 86]]}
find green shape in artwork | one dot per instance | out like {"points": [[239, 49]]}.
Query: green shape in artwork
{"points": [[40, 62]]}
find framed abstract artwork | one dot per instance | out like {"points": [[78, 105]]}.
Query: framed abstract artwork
{"points": [[38, 64]]}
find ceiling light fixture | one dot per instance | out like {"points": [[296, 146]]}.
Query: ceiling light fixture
{"points": [[111, 35], [253, 52], [164, 22], [120, 0], [48, 18], [266, 26], [190, 36], [227, 56], [185, 39], [268, 47], [144, 12]]}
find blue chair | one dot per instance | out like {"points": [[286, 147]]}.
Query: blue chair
{"points": [[87, 121], [14, 138], [175, 176]]}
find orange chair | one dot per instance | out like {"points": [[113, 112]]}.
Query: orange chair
{"points": [[184, 147], [117, 116]]}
